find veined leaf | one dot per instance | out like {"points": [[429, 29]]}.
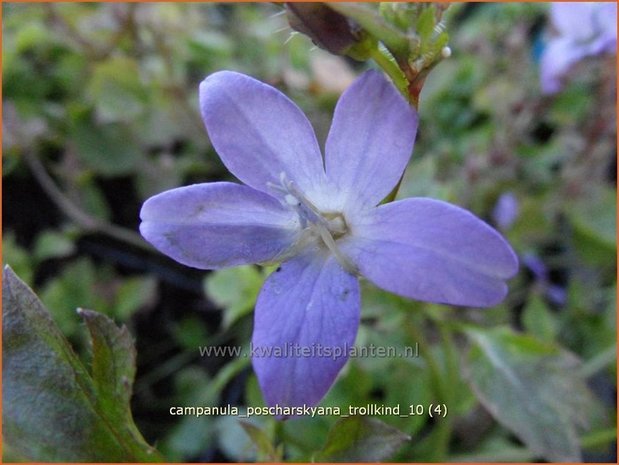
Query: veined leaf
{"points": [[533, 389], [361, 439], [54, 409]]}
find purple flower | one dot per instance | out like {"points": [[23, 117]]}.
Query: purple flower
{"points": [[538, 268], [320, 219], [583, 29], [506, 210]]}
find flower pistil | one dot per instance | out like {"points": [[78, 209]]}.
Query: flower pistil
{"points": [[325, 228]]}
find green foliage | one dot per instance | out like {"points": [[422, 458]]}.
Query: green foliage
{"points": [[105, 148], [18, 257], [235, 441], [116, 90], [104, 96], [533, 389], [235, 290], [51, 400], [266, 451], [191, 434], [595, 229], [359, 438], [539, 320], [81, 284]]}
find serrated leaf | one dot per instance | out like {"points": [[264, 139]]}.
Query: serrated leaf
{"points": [[54, 410], [113, 361], [361, 439], [533, 389]]}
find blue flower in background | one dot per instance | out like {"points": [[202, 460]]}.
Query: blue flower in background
{"points": [[556, 294], [320, 219], [506, 210], [583, 29]]}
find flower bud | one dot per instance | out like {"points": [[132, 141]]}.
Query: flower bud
{"points": [[327, 28]]}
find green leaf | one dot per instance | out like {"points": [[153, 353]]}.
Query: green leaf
{"points": [[425, 23], [539, 320], [594, 220], [191, 434], [17, 256], [190, 332], [234, 289], [133, 294], [72, 288], [361, 439], [91, 198], [533, 389], [113, 362], [116, 90], [54, 410], [233, 440], [266, 451], [109, 149], [374, 24], [53, 244]]}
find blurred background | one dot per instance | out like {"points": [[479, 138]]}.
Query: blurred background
{"points": [[100, 112]]}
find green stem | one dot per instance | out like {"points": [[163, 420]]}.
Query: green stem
{"points": [[398, 77], [390, 67], [598, 438], [372, 22], [451, 361], [599, 362], [171, 366], [228, 372], [442, 432]]}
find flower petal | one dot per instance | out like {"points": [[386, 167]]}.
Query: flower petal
{"points": [[558, 57], [312, 304], [584, 22], [259, 133], [218, 224], [608, 21], [370, 141], [574, 19], [431, 250]]}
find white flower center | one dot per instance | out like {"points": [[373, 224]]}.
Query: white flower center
{"points": [[328, 227]]}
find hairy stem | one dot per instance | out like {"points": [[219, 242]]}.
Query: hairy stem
{"points": [[372, 22], [393, 71]]}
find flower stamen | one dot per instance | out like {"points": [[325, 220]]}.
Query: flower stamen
{"points": [[328, 226]]}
